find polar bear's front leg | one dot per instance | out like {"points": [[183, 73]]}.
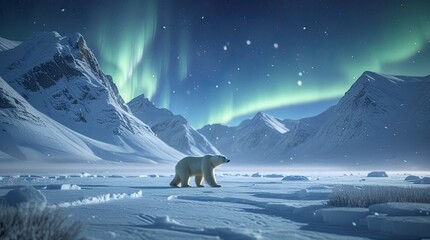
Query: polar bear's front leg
{"points": [[199, 180], [184, 180], [208, 174]]}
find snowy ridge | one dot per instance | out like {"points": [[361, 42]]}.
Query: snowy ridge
{"points": [[172, 129], [385, 115], [60, 77], [6, 44], [100, 199]]}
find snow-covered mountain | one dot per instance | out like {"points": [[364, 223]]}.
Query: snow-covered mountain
{"points": [[172, 129], [27, 134], [251, 140], [61, 78], [6, 44], [381, 119]]}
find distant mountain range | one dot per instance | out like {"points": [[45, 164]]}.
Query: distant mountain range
{"points": [[172, 129], [56, 105], [382, 119]]}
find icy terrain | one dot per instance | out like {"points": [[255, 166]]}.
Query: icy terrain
{"points": [[143, 206]]}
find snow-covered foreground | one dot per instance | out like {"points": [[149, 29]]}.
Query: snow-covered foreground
{"points": [[113, 206]]}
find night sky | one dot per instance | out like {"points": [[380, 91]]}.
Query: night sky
{"points": [[223, 61]]}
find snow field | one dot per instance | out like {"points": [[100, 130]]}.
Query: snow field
{"points": [[266, 207]]}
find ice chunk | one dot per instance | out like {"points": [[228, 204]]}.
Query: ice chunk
{"points": [[256, 175], [377, 174], [63, 187], [344, 216], [273, 175], [295, 178], [402, 209]]}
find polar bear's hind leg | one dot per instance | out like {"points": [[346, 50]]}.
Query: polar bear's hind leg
{"points": [[176, 180]]}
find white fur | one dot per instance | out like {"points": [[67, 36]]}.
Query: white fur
{"points": [[200, 167]]}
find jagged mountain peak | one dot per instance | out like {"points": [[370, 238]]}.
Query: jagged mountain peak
{"points": [[265, 119]]}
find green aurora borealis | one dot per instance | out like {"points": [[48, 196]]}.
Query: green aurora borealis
{"points": [[192, 57]]}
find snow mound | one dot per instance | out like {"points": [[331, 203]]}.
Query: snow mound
{"points": [[344, 216], [256, 175], [63, 187], [62, 177], [412, 178], [377, 174], [101, 199], [25, 196], [167, 223], [424, 180], [172, 197], [295, 178]]}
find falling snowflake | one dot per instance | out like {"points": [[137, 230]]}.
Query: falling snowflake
{"points": [[304, 28], [228, 82], [275, 45], [299, 83], [216, 86], [203, 17], [225, 47], [248, 42], [63, 10], [164, 27], [300, 74]]}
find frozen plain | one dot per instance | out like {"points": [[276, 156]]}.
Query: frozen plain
{"points": [[144, 206]]}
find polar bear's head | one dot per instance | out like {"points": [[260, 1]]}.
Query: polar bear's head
{"points": [[218, 160]]}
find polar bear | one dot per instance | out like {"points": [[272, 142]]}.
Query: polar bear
{"points": [[200, 167]]}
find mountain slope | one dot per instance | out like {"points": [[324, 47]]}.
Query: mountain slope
{"points": [[60, 77], [250, 141], [6, 44], [172, 129], [27, 134], [381, 118]]}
